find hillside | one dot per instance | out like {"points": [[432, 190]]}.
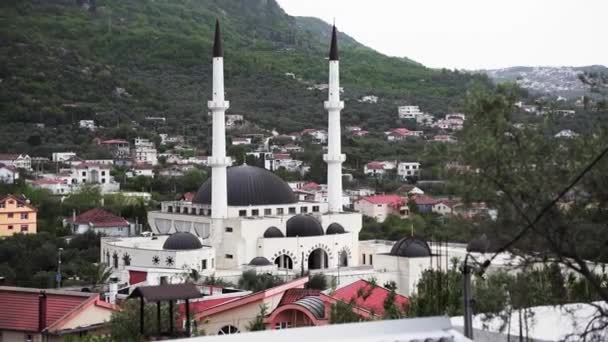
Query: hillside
{"points": [[562, 81], [118, 61]]}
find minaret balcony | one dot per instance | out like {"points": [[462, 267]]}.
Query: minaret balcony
{"points": [[218, 105], [334, 158], [333, 105], [219, 161]]}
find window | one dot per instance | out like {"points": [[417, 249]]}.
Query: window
{"points": [[115, 260], [212, 262], [242, 213], [255, 212], [228, 229], [163, 280], [228, 330], [20, 205], [315, 208], [10, 215], [379, 205], [303, 210], [267, 212], [24, 216], [363, 258], [103, 173], [292, 210], [103, 180], [204, 264], [84, 173], [371, 259], [170, 209], [10, 227], [282, 325], [2, 205], [228, 256], [279, 211]]}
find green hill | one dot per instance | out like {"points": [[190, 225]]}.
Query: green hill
{"points": [[64, 60]]}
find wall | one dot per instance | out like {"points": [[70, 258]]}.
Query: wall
{"points": [[16, 221]]}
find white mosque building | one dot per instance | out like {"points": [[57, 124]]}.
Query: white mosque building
{"points": [[247, 216]]}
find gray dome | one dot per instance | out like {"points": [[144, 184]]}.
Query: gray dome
{"points": [[411, 247], [250, 185], [303, 225], [260, 261], [335, 228], [182, 241], [273, 232]]}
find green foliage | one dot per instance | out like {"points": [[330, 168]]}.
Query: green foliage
{"points": [[254, 282], [258, 323], [318, 281], [343, 312], [124, 324], [437, 293]]}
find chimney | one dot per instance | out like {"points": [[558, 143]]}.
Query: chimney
{"points": [[41, 311]]}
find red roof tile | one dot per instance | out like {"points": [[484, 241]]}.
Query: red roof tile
{"points": [[293, 295], [375, 165], [45, 181], [425, 200], [393, 200], [100, 218], [367, 296]]}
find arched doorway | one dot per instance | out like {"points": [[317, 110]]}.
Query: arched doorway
{"points": [[228, 330], [284, 261], [343, 258], [318, 259]]}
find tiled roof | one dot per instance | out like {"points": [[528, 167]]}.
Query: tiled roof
{"points": [[293, 295], [8, 156], [393, 200], [48, 181], [20, 307], [100, 218], [310, 186], [283, 156], [425, 200], [8, 167], [18, 199], [375, 165], [367, 296]]}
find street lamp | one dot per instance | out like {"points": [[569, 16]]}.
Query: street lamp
{"points": [[58, 275], [479, 245]]}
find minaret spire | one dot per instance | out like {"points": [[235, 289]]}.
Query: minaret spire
{"points": [[218, 160], [334, 157]]}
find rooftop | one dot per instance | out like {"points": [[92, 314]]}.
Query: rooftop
{"points": [[367, 296], [99, 218]]}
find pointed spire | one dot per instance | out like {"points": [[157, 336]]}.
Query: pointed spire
{"points": [[217, 42], [333, 51]]}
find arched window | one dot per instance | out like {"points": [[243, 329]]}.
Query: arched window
{"points": [[228, 330], [115, 259], [126, 259], [284, 261]]}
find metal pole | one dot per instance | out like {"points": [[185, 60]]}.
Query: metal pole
{"points": [[468, 311], [187, 318], [171, 317], [158, 318], [59, 269], [141, 315]]}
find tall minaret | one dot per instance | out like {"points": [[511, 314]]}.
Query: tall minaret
{"points": [[218, 160], [334, 157]]}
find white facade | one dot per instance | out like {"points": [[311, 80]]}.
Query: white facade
{"points": [[56, 186], [20, 161], [409, 112], [233, 120], [145, 152], [275, 162], [62, 156], [380, 211], [241, 141], [87, 124], [8, 174], [408, 169], [378, 168], [95, 174], [148, 252]]}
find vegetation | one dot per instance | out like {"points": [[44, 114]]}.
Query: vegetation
{"points": [[254, 282], [258, 323], [318, 282], [124, 324]]}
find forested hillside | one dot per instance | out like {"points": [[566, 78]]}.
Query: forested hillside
{"points": [[117, 61]]}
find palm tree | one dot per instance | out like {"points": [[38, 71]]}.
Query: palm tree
{"points": [[98, 275]]}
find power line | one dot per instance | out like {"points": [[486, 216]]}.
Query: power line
{"points": [[545, 209]]}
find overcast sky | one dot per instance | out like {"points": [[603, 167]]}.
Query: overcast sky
{"points": [[472, 34]]}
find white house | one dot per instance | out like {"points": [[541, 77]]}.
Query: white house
{"points": [[56, 186], [241, 141], [319, 136], [101, 222], [380, 206], [8, 174], [96, 174], [566, 133], [20, 161], [233, 120], [378, 168], [408, 169], [409, 112], [369, 99], [87, 124], [399, 134], [276, 161], [62, 156], [145, 170], [145, 152]]}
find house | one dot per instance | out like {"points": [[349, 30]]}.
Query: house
{"points": [[87, 124], [57, 186], [282, 160], [101, 222], [30, 314], [233, 120], [59, 157], [292, 148], [368, 296], [8, 174], [566, 133], [241, 141], [145, 170], [408, 169], [20, 161], [168, 139], [17, 215], [369, 99], [380, 207], [378, 168], [145, 152], [319, 136], [409, 189], [444, 138], [119, 148], [399, 134], [96, 174], [445, 206], [409, 112], [424, 203], [452, 121]]}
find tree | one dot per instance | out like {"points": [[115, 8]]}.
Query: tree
{"points": [[258, 323], [343, 312], [96, 275], [252, 281], [318, 281], [124, 324]]}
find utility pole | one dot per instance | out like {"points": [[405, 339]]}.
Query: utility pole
{"points": [[58, 276], [468, 309]]}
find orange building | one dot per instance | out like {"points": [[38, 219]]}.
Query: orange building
{"points": [[16, 216]]}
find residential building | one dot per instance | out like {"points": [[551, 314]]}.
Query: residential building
{"points": [[409, 112], [8, 174], [399, 134], [408, 189], [17, 215], [241, 141], [408, 169], [445, 206], [369, 99], [20, 161], [119, 148], [145, 170], [566, 133], [96, 174], [145, 152], [368, 296], [319, 136], [36, 315], [57, 186], [424, 203], [60, 157], [380, 207], [170, 139], [87, 124], [444, 138], [379, 168], [101, 222], [233, 120], [279, 160]]}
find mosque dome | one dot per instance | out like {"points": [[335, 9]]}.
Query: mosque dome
{"points": [[260, 261], [335, 228], [182, 241], [411, 247], [273, 232], [303, 225], [250, 185]]}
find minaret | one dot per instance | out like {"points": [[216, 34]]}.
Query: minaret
{"points": [[218, 160], [334, 157]]}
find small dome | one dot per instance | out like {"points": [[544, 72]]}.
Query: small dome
{"points": [[411, 247], [303, 225], [250, 185], [260, 261], [182, 241], [335, 228], [273, 232], [479, 245]]}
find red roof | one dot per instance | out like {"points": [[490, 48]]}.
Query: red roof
{"points": [[9, 156], [392, 200], [48, 181], [400, 131], [310, 186], [19, 199], [205, 303], [100, 218], [114, 141], [8, 167], [188, 196], [425, 200], [366, 295], [375, 165], [283, 156], [20, 307], [293, 295]]}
